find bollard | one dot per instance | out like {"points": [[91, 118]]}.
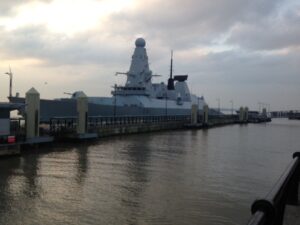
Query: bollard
{"points": [[205, 114], [241, 114], [82, 110], [194, 114], [32, 113], [246, 114]]}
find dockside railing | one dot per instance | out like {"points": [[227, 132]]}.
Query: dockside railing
{"points": [[68, 124], [132, 120], [17, 128], [270, 210]]}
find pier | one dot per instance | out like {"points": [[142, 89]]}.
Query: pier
{"points": [[66, 128], [31, 131]]}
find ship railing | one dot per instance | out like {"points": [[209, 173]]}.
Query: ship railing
{"points": [[270, 210]]}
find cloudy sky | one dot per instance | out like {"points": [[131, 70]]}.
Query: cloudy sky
{"points": [[240, 50]]}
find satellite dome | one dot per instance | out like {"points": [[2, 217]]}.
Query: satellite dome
{"points": [[140, 42]]}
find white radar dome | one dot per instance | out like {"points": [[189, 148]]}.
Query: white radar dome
{"points": [[140, 42]]}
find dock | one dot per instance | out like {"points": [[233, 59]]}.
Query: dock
{"points": [[30, 131], [70, 128]]}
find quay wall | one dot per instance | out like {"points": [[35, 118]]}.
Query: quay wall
{"points": [[136, 128], [221, 121], [9, 149]]}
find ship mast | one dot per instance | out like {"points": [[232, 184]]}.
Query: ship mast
{"points": [[171, 80], [171, 66]]}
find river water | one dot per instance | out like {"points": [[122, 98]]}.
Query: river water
{"points": [[172, 177]]}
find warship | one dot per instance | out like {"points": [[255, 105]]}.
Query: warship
{"points": [[139, 96]]}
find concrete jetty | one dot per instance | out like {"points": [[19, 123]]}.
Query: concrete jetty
{"points": [[82, 127]]}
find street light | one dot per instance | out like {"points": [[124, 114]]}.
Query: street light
{"points": [[166, 104], [218, 100], [10, 74], [259, 106], [198, 98], [115, 100], [231, 101]]}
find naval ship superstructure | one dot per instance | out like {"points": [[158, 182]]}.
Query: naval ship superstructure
{"points": [[139, 96]]}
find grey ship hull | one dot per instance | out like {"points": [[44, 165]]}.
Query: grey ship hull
{"points": [[67, 108]]}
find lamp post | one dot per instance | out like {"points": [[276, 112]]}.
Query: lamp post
{"points": [[166, 104], [115, 100], [10, 74], [218, 100], [260, 106], [231, 101]]}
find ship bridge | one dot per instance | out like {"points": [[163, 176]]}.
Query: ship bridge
{"points": [[127, 90]]}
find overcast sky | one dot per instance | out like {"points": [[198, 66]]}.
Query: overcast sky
{"points": [[240, 50]]}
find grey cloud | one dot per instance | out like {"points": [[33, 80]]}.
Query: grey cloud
{"points": [[275, 33], [180, 25], [254, 25], [189, 23], [56, 49], [258, 27], [236, 68], [7, 6]]}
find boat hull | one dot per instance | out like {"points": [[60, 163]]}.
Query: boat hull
{"points": [[67, 108]]}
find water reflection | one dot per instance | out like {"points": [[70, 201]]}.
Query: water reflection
{"points": [[138, 154], [82, 163], [30, 168], [181, 177], [8, 167]]}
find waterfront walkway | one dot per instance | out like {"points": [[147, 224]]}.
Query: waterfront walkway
{"points": [[292, 213]]}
